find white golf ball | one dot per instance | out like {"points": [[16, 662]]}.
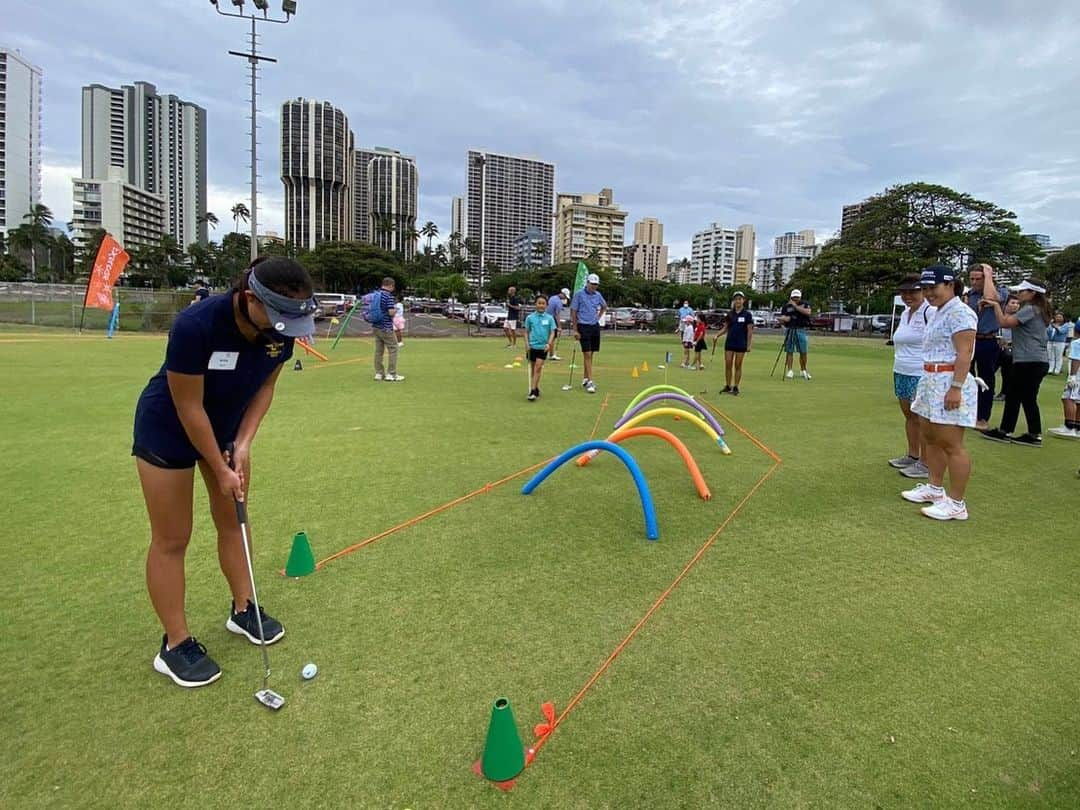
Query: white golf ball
{"points": [[309, 671]]}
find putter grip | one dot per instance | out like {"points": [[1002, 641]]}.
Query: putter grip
{"points": [[241, 506]]}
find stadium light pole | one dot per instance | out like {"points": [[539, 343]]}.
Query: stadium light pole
{"points": [[288, 8]]}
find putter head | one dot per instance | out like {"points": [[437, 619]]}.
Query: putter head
{"points": [[270, 699]]}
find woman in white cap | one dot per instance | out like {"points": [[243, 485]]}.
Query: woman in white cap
{"points": [[908, 370], [946, 398], [1029, 363], [211, 394]]}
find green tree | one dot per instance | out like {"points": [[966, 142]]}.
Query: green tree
{"points": [[210, 218], [240, 212], [352, 266], [32, 234], [1063, 280]]}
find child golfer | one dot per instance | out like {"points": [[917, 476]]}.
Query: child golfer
{"points": [[687, 339], [216, 385], [700, 344], [540, 328]]}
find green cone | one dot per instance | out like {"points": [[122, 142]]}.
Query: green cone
{"points": [[301, 560], [504, 755]]}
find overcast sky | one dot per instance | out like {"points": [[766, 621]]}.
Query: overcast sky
{"points": [[769, 112]]}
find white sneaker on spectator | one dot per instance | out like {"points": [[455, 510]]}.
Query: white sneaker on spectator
{"points": [[555, 357], [924, 493], [394, 378], [400, 343], [790, 375], [1065, 433], [591, 387], [946, 509], [379, 377], [806, 375]]}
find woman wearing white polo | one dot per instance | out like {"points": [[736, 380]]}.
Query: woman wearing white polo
{"points": [[908, 370]]}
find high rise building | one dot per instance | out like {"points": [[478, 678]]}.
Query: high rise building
{"points": [[156, 143], [1041, 239], [647, 256], [587, 223], [851, 215], [722, 256], [316, 170], [507, 195], [532, 249], [134, 216], [385, 191], [792, 250], [792, 244], [20, 138], [457, 217]]}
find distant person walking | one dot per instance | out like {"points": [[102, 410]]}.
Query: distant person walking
{"points": [[513, 315], [215, 387], [945, 399], [739, 328], [540, 334], [987, 350], [685, 311], [586, 309], [1057, 338], [687, 338], [1029, 363], [554, 308], [700, 344], [1070, 397], [795, 316], [908, 370], [1005, 358], [385, 339]]}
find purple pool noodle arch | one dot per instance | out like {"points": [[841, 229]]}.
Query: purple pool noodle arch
{"points": [[698, 407], [652, 531]]}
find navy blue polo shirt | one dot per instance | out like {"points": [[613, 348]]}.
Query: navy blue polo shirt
{"points": [[738, 325], [206, 340]]}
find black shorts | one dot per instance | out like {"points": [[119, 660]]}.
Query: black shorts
{"points": [[152, 458], [537, 354], [701, 346], [590, 336], [735, 347]]}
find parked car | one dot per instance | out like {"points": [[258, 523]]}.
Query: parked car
{"points": [[880, 323], [471, 312], [774, 320], [493, 315], [761, 318], [455, 310], [331, 305], [714, 318], [827, 320], [643, 318], [622, 317]]}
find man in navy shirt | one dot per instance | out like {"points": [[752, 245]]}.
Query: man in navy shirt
{"points": [[795, 315], [216, 385], [384, 335], [554, 309], [513, 315], [586, 309], [987, 348]]}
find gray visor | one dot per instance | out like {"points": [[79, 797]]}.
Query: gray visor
{"points": [[292, 317]]}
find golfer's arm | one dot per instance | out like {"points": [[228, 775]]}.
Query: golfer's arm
{"points": [[187, 397], [749, 335], [255, 412], [573, 320], [1004, 321], [964, 343]]}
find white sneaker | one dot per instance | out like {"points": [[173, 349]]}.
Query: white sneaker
{"points": [[585, 383], [591, 387], [394, 378], [806, 375], [555, 357], [790, 375], [946, 509], [378, 377], [400, 343], [1065, 433], [924, 493]]}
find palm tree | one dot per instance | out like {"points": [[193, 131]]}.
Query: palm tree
{"points": [[240, 212], [472, 245], [430, 230], [410, 235], [210, 218]]}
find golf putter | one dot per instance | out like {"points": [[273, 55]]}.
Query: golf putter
{"points": [[573, 360], [266, 696]]}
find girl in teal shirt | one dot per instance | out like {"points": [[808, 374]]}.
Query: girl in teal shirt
{"points": [[540, 328]]}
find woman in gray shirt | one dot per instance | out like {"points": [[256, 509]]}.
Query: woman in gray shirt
{"points": [[1029, 366]]}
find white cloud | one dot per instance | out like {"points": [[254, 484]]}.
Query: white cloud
{"points": [[56, 189]]}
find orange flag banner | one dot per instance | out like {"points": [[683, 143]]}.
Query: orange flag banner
{"points": [[109, 264]]}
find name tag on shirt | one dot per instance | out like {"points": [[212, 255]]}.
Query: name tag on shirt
{"points": [[223, 361]]}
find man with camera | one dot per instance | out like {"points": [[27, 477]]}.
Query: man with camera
{"points": [[795, 315]]}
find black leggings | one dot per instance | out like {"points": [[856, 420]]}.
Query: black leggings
{"points": [[1023, 390]]}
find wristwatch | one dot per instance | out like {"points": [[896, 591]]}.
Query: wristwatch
{"points": [[955, 384]]}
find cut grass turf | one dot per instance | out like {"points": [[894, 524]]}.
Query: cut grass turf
{"points": [[832, 648]]}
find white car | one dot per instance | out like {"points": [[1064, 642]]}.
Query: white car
{"points": [[493, 315]]}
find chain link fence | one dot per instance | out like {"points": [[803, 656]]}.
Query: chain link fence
{"points": [[60, 305]]}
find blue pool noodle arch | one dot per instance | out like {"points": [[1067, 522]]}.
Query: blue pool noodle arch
{"points": [[652, 531]]}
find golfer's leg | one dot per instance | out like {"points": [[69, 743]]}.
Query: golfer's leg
{"points": [[391, 351], [935, 454], [168, 496], [802, 360], [538, 367], [911, 429], [789, 361], [738, 367], [588, 364], [230, 541], [378, 354], [958, 460]]}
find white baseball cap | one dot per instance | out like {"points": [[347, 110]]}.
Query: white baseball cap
{"points": [[1027, 285], [796, 294], [565, 292], [592, 279]]}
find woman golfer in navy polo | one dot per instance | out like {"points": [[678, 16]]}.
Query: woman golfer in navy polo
{"points": [[222, 360]]}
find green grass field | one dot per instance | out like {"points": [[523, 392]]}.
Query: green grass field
{"points": [[832, 648]]}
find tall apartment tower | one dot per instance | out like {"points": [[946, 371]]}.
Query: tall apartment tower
{"points": [[154, 143], [507, 196], [647, 256], [585, 223], [20, 138], [386, 186], [458, 222], [851, 215], [316, 170], [723, 256]]}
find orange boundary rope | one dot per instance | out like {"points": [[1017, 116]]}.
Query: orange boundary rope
{"points": [[777, 461]]}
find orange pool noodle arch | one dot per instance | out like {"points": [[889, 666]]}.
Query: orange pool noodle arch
{"points": [[629, 433]]}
